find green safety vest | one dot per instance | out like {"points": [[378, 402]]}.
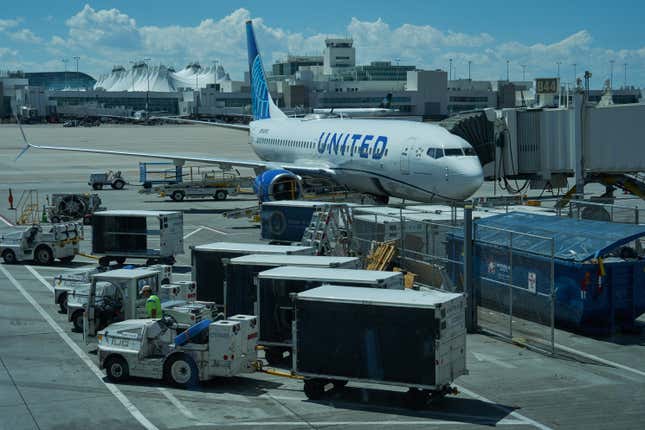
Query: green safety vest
{"points": [[153, 304]]}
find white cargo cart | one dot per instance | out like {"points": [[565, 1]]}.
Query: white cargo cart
{"points": [[41, 243], [163, 349]]}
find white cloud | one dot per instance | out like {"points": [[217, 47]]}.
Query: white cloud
{"points": [[6, 52], [104, 37], [25, 35], [103, 28], [6, 24]]}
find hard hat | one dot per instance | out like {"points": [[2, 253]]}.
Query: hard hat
{"points": [[145, 288]]}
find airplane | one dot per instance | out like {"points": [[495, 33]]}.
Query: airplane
{"points": [[383, 109], [384, 158]]}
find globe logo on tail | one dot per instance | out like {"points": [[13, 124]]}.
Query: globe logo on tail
{"points": [[260, 90]]}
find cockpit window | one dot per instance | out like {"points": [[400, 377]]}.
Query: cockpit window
{"points": [[435, 152], [470, 152], [453, 152]]}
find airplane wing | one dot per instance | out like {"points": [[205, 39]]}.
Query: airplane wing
{"points": [[224, 163], [196, 121]]}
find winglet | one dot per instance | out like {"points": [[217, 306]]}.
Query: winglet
{"points": [[27, 144]]}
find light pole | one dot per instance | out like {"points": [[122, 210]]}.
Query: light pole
{"points": [[625, 81], [508, 70], [450, 69], [611, 73], [469, 63], [215, 71], [575, 73], [557, 63], [65, 61], [524, 72]]}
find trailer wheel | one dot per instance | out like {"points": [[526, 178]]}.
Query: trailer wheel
{"points": [[9, 257], [274, 356], [220, 195], [416, 398], [118, 184], [181, 371], [97, 186], [77, 320], [339, 383], [117, 369], [314, 389], [62, 303], [120, 260], [177, 195], [104, 261], [43, 255], [67, 259]]}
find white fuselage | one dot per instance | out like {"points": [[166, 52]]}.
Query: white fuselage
{"points": [[410, 160]]}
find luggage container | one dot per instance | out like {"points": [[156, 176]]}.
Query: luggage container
{"points": [[414, 339], [121, 234], [599, 270], [208, 268], [274, 302], [286, 220], [240, 286]]}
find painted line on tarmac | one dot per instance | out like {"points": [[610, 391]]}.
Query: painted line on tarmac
{"points": [[601, 360], [136, 414], [512, 413], [193, 232], [40, 278], [176, 403], [6, 221], [215, 230]]}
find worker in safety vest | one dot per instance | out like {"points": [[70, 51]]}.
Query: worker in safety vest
{"points": [[153, 304]]}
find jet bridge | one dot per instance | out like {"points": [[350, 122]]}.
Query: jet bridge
{"points": [[539, 144]]}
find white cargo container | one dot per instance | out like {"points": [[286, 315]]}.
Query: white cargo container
{"points": [[240, 286], [208, 268], [276, 309]]}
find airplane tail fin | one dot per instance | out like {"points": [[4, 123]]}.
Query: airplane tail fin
{"points": [[386, 103], [262, 104]]}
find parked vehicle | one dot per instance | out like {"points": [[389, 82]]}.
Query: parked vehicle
{"points": [[41, 243], [100, 179]]}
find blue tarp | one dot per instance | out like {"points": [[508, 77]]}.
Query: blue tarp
{"points": [[576, 240]]}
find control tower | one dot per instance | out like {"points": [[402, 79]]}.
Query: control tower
{"points": [[339, 53]]}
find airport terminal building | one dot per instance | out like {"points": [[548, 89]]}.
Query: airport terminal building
{"points": [[297, 83]]}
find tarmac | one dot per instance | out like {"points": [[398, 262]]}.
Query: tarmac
{"points": [[49, 379]]}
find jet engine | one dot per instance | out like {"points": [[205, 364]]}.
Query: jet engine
{"points": [[277, 184]]}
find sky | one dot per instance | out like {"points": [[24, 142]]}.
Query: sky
{"points": [[36, 35]]}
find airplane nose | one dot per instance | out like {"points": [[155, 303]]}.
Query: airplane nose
{"points": [[468, 179]]}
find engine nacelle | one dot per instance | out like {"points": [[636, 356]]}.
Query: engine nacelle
{"points": [[277, 184]]}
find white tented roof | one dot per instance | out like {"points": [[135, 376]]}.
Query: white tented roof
{"points": [[378, 296]]}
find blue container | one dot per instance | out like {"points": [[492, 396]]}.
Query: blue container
{"points": [[286, 220], [586, 298]]}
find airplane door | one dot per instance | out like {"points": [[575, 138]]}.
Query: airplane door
{"points": [[405, 160], [407, 154]]}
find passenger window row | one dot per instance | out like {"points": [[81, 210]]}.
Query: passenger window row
{"points": [[285, 142]]}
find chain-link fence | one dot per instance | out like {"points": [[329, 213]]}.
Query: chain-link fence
{"points": [[420, 237], [514, 277], [513, 272], [604, 212]]}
